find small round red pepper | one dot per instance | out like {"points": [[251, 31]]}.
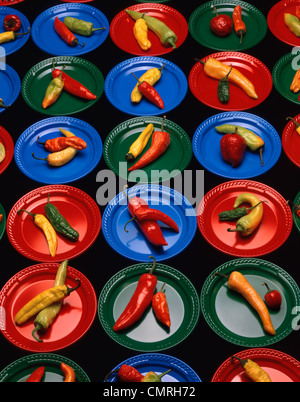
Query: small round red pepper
{"points": [[12, 23], [272, 297]]}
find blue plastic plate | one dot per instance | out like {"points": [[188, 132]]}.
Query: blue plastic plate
{"points": [[45, 37], [40, 171], [13, 46], [133, 244], [10, 85], [159, 363], [119, 83], [206, 146]]}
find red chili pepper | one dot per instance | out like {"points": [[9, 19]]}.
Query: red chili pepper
{"points": [[159, 144], [72, 86], [69, 373], [12, 23], [140, 300], [63, 31], [239, 25], [127, 373], [36, 375], [150, 93], [272, 297], [144, 213], [60, 143], [297, 209], [161, 308], [1, 217], [297, 12]]}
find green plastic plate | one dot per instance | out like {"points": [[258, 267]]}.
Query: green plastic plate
{"points": [[171, 163], [148, 335], [296, 217], [3, 222], [283, 74], [233, 319], [20, 370], [37, 79], [199, 25]]}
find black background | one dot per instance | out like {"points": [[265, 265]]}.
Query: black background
{"points": [[203, 350]]}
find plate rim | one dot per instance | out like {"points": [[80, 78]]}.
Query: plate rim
{"points": [[12, 73]]}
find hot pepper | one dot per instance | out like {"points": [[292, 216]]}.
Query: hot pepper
{"points": [[12, 23], [140, 32], [128, 373], [295, 85], [140, 300], [233, 148], [247, 224], [151, 76], [45, 317], [296, 124], [144, 213], [153, 377], [139, 144], [238, 283], [2, 105], [2, 152], [159, 144], [236, 213], [72, 86], [239, 25], [64, 32], [161, 308], [43, 300], [69, 373], [53, 91], [253, 370], [223, 88], [150, 93], [273, 298], [11, 35], [59, 222], [60, 143], [36, 375], [81, 27], [42, 222], [293, 23]]}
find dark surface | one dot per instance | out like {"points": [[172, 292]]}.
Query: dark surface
{"points": [[204, 351]]}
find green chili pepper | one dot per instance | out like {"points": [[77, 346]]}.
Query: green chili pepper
{"points": [[235, 214], [223, 88], [293, 23], [46, 316], [153, 377], [81, 27], [59, 222]]}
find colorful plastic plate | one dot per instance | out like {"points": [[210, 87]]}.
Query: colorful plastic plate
{"points": [[204, 88], [133, 244], [272, 232], [280, 366], [10, 85], [199, 25], [159, 363], [13, 46], [121, 29], [37, 79], [9, 146], [275, 20], [45, 37], [171, 163], [295, 216], [10, 2], [283, 74], [153, 1], [20, 370], [74, 320], [119, 84], [2, 222], [39, 170], [231, 316], [206, 146], [148, 335], [77, 207], [291, 141]]}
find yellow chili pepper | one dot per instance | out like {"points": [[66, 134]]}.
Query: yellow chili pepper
{"points": [[151, 76], [139, 144], [140, 31], [43, 300], [248, 223], [9, 36], [296, 124], [42, 222], [216, 69], [253, 370]]}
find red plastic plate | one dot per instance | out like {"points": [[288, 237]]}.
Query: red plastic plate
{"points": [[121, 29], [291, 141], [280, 366], [274, 228], [204, 88], [76, 206], [276, 23], [74, 320], [9, 2], [8, 143]]}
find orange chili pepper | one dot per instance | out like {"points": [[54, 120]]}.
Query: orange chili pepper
{"points": [[161, 308], [239, 25], [68, 372]]}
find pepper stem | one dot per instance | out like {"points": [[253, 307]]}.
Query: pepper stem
{"points": [[200, 61], [153, 266], [216, 11], [39, 142], [109, 374], [69, 290], [242, 361], [3, 105], [162, 67], [162, 288], [220, 273], [162, 374], [261, 157], [37, 328], [139, 82], [267, 286], [130, 220], [41, 159], [24, 210], [22, 33], [98, 29], [162, 124], [294, 121]]}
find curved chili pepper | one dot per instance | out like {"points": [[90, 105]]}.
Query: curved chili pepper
{"points": [[126, 373], [60, 143], [150, 93], [72, 86], [3, 105], [12, 23], [63, 31], [159, 144], [36, 375], [68, 372], [146, 214], [150, 228], [140, 300], [161, 308], [239, 25], [53, 91]]}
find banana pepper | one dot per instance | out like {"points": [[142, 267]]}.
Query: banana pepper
{"points": [[140, 31], [293, 23], [139, 144], [253, 370], [151, 76]]}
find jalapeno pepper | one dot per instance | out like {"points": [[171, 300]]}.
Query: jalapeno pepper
{"points": [[12, 23]]}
